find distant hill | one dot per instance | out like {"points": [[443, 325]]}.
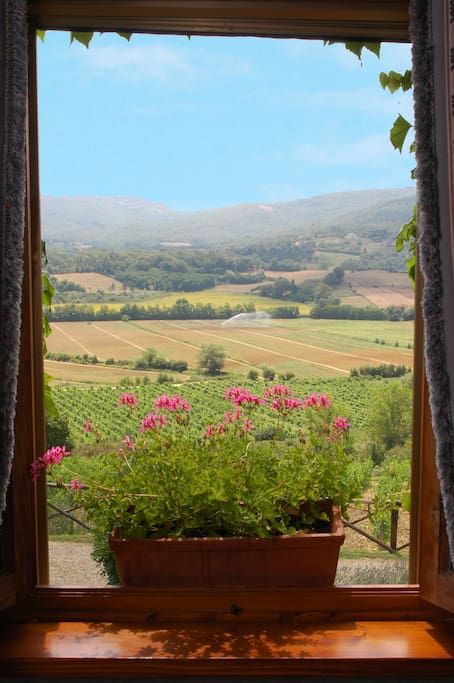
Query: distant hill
{"points": [[131, 222]]}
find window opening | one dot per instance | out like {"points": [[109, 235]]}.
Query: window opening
{"points": [[227, 193]]}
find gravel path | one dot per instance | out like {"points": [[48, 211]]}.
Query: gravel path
{"points": [[71, 564]]}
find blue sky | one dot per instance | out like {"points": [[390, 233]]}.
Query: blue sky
{"points": [[216, 121]]}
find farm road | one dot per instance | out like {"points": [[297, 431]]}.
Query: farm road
{"points": [[260, 348]]}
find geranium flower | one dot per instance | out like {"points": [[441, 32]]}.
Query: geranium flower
{"points": [[54, 455], [129, 443], [87, 426], [317, 401], [173, 404], [243, 397], [75, 485], [152, 422], [286, 405], [36, 467], [128, 399], [341, 423], [277, 390]]}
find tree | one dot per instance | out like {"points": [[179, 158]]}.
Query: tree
{"points": [[211, 358], [390, 418]]}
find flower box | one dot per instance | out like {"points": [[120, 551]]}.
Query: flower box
{"points": [[300, 560]]}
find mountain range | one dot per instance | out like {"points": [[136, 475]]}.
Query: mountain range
{"points": [[130, 222]]}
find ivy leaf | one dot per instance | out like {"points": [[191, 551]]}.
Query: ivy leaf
{"points": [[357, 48], [83, 37], [398, 132], [41, 34], [407, 80], [406, 500], [48, 290], [126, 36]]}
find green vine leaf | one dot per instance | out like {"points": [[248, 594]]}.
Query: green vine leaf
{"points": [[126, 36], [357, 47], [41, 34], [393, 80], [398, 132], [83, 37]]}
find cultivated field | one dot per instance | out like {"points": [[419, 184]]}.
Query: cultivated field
{"points": [[381, 288], [92, 282], [297, 275], [309, 348]]}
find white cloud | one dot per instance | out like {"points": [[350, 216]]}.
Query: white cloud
{"points": [[372, 150], [141, 62]]}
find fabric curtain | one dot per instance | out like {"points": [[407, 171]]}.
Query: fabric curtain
{"points": [[434, 226], [13, 110]]}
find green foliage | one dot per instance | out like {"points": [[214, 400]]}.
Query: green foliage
{"points": [[253, 375], [407, 237], [211, 358], [170, 483], [390, 415], [268, 374], [58, 432], [357, 47], [398, 132], [383, 370], [392, 487], [393, 80]]}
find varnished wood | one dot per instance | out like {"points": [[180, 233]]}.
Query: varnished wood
{"points": [[207, 605], [128, 650], [7, 591], [37, 342], [361, 19]]}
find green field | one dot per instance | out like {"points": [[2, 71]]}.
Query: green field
{"points": [[213, 296], [352, 396], [306, 347]]}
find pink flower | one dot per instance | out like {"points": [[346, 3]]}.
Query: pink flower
{"points": [[210, 431], [317, 401], [242, 397], [277, 390], [152, 421], [36, 467], [173, 404], [236, 415], [341, 423], [54, 455], [129, 443], [220, 428], [127, 399], [75, 485], [285, 405], [247, 426], [87, 426]]}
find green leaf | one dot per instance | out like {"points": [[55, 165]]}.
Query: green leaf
{"points": [[374, 48], [355, 47], [41, 34], [406, 501], [83, 37], [398, 132], [383, 78], [406, 80], [126, 36], [412, 147], [48, 290]]}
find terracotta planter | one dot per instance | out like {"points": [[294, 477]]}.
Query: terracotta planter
{"points": [[300, 560]]}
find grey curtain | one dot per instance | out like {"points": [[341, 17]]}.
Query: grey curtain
{"points": [[430, 60], [13, 108]]}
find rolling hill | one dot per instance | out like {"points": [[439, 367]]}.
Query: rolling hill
{"points": [[131, 222]]}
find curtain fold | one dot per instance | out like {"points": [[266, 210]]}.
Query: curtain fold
{"points": [[434, 226], [13, 117]]}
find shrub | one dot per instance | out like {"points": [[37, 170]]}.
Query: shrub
{"points": [[253, 375], [211, 358], [268, 374]]}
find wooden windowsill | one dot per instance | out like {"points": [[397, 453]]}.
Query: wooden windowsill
{"points": [[376, 648]]}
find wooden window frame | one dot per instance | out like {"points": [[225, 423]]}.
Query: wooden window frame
{"points": [[360, 19]]}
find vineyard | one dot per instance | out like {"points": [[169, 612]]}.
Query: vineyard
{"points": [[98, 404]]}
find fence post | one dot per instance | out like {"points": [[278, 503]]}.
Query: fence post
{"points": [[394, 525]]}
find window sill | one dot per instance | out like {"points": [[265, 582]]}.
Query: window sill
{"points": [[84, 649]]}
